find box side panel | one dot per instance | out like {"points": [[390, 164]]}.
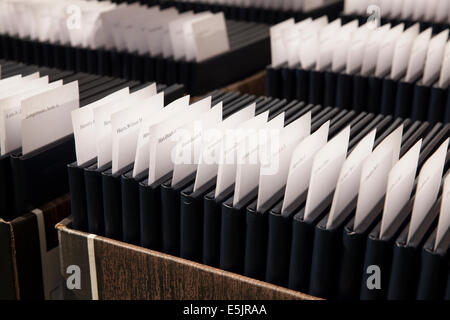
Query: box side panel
{"points": [[28, 257], [7, 278], [251, 85], [54, 212], [128, 272], [74, 264]]}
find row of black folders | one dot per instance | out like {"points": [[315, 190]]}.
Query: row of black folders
{"points": [[435, 26], [249, 53], [280, 249], [332, 9], [304, 255], [360, 93], [41, 176]]}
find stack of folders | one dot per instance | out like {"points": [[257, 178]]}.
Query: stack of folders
{"points": [[262, 11], [335, 203], [203, 51], [36, 130], [388, 69], [431, 13]]}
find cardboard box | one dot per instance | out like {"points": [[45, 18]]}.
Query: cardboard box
{"points": [[254, 85], [29, 253], [95, 267]]}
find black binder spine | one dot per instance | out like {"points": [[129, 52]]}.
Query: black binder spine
{"points": [[131, 208], [6, 193], [257, 235], [403, 280], [327, 254], [191, 225], [150, 215], [170, 205], [212, 223], [171, 215], [103, 66], [324, 263], [302, 85], [69, 58], [301, 253], [331, 79], [374, 94], [360, 86], [303, 242], [388, 97], [353, 254], [288, 76], [378, 253], [78, 202], [125, 70], [406, 258], [344, 87], [404, 99], [434, 268], [41, 175], [436, 110], [447, 109], [172, 72], [112, 205], [191, 228], [353, 246], [421, 100], [279, 248], [94, 200], [91, 61], [232, 241], [447, 290], [316, 88], [255, 243]]}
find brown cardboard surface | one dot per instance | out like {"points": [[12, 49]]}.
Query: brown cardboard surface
{"points": [[8, 272], [21, 273], [252, 85], [127, 272]]}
